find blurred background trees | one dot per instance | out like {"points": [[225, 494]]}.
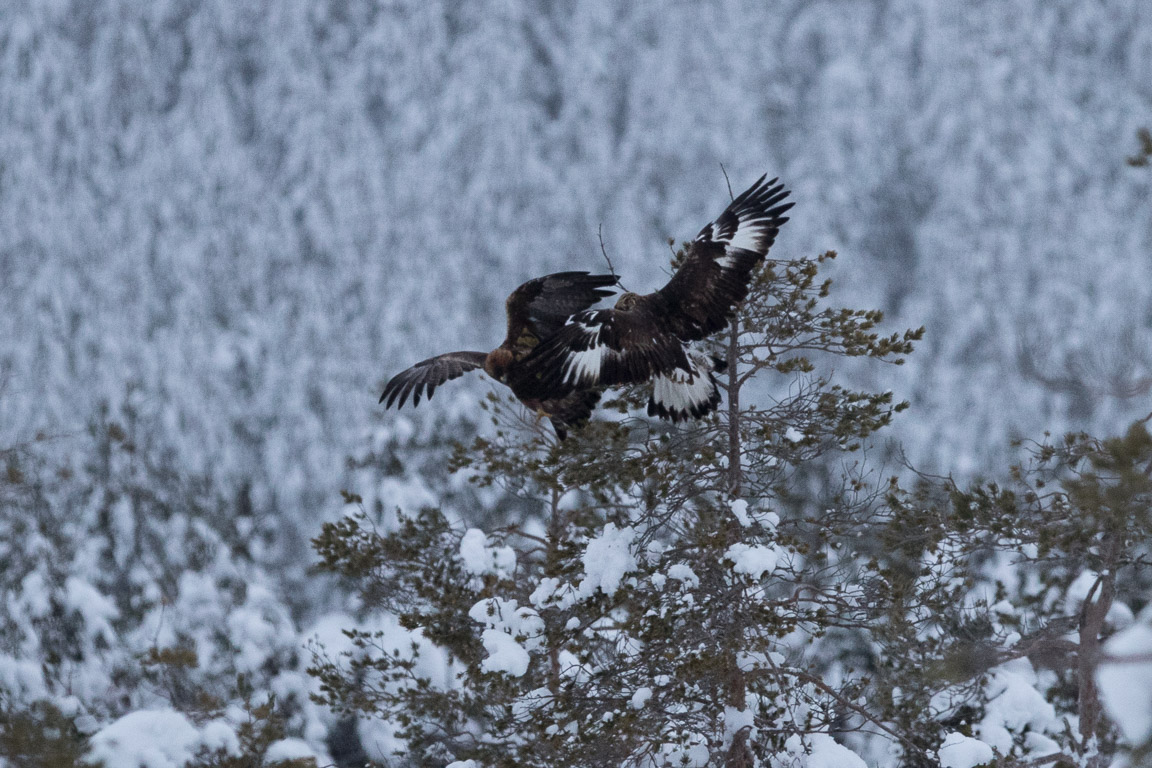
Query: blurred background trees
{"points": [[222, 226]]}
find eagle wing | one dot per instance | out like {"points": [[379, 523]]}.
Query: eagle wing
{"points": [[646, 338], [540, 307], [603, 347], [718, 264], [427, 375]]}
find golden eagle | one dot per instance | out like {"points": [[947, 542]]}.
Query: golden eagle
{"points": [[536, 311], [647, 337]]}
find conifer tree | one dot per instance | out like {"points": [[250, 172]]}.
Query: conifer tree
{"points": [[657, 609], [1010, 591]]}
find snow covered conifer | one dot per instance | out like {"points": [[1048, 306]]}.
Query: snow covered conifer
{"points": [[1002, 597]]}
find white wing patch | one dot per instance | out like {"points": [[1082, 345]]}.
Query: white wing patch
{"points": [[685, 394], [583, 368], [749, 235]]}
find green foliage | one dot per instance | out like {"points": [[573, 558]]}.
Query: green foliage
{"points": [[1077, 513], [40, 736]]}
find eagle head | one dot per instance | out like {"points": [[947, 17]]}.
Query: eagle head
{"points": [[497, 362], [628, 301]]}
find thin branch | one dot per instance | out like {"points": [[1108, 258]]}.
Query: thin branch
{"points": [[1135, 658], [1055, 757], [735, 452], [727, 181], [603, 250], [40, 438]]}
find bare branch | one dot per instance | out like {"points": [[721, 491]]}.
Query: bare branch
{"points": [[727, 181]]}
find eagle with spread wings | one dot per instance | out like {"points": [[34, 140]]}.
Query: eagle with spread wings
{"points": [[536, 311], [559, 355], [651, 337]]}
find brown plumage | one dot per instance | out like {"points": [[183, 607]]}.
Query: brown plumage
{"points": [[646, 337], [536, 311]]}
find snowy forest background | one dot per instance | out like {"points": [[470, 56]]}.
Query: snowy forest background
{"points": [[223, 225]]}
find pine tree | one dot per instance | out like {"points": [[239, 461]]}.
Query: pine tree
{"points": [[657, 609], [1015, 587]]}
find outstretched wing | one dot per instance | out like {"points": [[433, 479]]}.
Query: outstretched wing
{"points": [[540, 307], [600, 348], [429, 374], [718, 264]]}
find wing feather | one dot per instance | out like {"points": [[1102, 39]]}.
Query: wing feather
{"points": [[684, 395], [540, 307], [600, 348], [423, 378], [718, 264]]}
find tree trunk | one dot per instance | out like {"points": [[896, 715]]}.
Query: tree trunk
{"points": [[1092, 615], [735, 474]]}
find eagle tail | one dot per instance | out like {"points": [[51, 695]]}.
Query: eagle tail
{"points": [[572, 410]]}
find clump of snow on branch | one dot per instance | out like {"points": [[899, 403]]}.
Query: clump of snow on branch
{"points": [[512, 630], [606, 559], [640, 697], [552, 592], [684, 574], [158, 739], [1014, 705], [755, 560], [817, 750], [289, 749], [960, 751], [480, 557], [747, 515]]}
